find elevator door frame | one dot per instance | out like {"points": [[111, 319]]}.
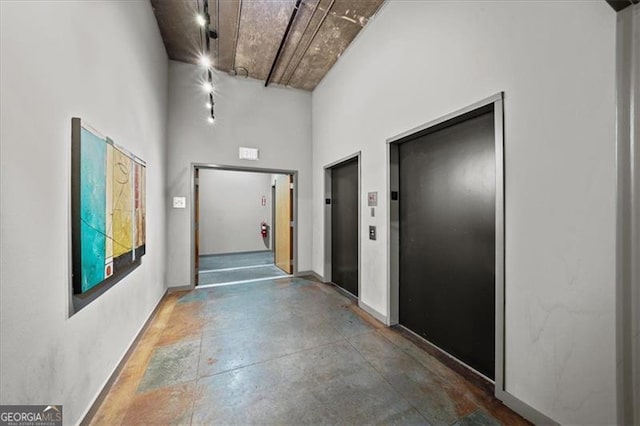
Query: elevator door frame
{"points": [[195, 167], [393, 223], [327, 275]]}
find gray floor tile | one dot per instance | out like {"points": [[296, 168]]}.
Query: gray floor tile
{"points": [[423, 389], [293, 351], [477, 418], [360, 395], [236, 349], [331, 384], [170, 365], [347, 322]]}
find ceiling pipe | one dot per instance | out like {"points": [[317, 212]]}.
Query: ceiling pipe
{"points": [[304, 31], [313, 36], [284, 38]]}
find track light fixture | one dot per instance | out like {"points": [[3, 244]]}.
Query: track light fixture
{"points": [[205, 58], [205, 61]]}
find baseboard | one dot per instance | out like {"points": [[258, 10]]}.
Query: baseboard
{"points": [[179, 288], [85, 419], [368, 309], [312, 274], [343, 292], [524, 409]]}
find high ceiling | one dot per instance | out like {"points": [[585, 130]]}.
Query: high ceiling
{"points": [[250, 33]]}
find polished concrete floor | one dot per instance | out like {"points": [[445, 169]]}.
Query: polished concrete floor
{"points": [[286, 351], [236, 267]]}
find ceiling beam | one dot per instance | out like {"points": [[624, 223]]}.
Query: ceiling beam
{"points": [[284, 39]]}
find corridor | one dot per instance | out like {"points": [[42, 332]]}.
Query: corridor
{"points": [[285, 351]]}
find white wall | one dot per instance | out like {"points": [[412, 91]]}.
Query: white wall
{"points": [[275, 120], [417, 61], [231, 211], [103, 62]]}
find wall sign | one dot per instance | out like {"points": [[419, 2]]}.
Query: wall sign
{"points": [[372, 199]]}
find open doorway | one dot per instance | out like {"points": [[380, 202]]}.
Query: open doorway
{"points": [[235, 214]]}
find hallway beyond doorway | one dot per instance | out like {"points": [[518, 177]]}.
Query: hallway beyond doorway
{"points": [[286, 351], [231, 268]]}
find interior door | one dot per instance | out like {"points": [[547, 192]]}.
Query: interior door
{"points": [[447, 240], [283, 221], [196, 206], [344, 225]]}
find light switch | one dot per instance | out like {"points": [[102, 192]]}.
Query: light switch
{"points": [[179, 202], [372, 232]]}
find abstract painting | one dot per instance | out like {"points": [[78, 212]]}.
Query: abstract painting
{"points": [[108, 210]]}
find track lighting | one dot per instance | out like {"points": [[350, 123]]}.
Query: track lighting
{"points": [[205, 61], [205, 58]]}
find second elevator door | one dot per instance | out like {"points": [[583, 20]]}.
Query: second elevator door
{"points": [[344, 225], [447, 240]]}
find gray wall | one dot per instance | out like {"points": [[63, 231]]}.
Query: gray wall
{"points": [[274, 119], [231, 211], [103, 62], [417, 61]]}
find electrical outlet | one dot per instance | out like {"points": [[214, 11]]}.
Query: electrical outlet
{"points": [[179, 202]]}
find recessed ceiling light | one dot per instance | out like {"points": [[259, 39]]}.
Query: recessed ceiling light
{"points": [[207, 87], [200, 20]]}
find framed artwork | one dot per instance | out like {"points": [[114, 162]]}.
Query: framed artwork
{"points": [[108, 210]]}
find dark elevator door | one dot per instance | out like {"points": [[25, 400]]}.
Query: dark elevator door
{"points": [[447, 240], [344, 225]]}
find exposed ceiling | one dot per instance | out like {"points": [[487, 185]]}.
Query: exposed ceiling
{"points": [[250, 33]]}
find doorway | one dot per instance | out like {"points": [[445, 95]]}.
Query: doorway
{"points": [[233, 221], [446, 221], [342, 224]]}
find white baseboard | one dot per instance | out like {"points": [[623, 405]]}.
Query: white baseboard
{"points": [[310, 274], [368, 309], [524, 409]]}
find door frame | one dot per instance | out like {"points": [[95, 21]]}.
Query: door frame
{"points": [[627, 215], [327, 218], [393, 224], [206, 166]]}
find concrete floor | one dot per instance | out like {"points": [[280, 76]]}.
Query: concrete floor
{"points": [[234, 267], [286, 351]]}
